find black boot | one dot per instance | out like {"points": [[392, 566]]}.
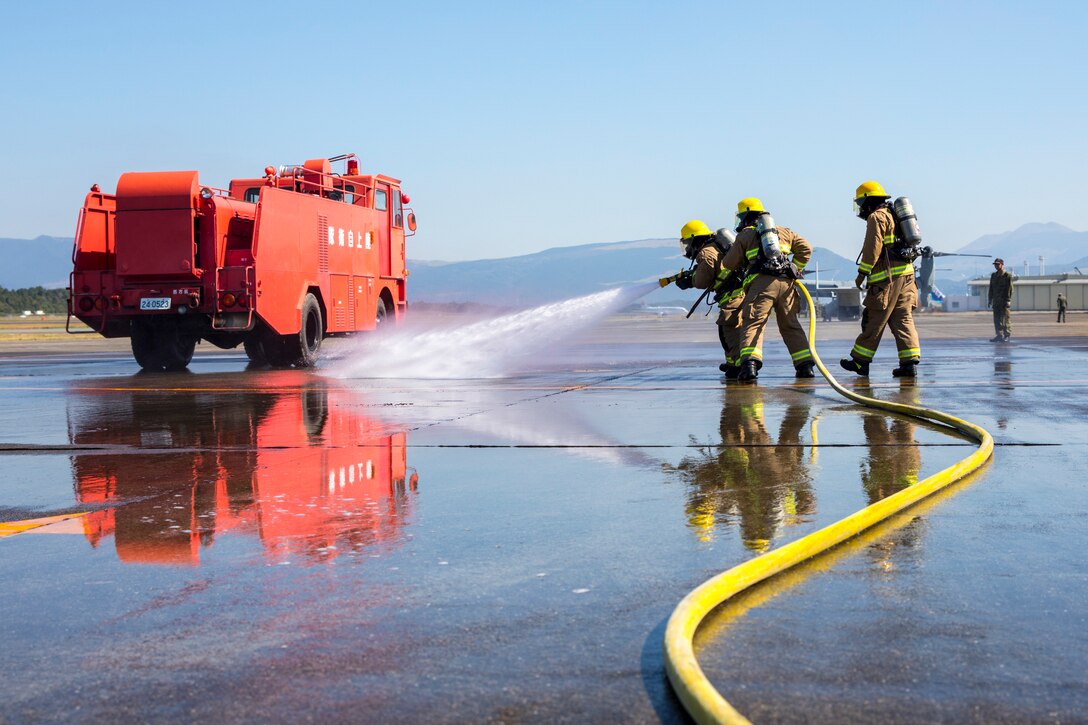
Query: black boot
{"points": [[748, 370], [805, 370], [854, 366], [731, 371], [906, 370]]}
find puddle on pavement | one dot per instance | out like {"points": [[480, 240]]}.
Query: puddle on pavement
{"points": [[299, 467]]}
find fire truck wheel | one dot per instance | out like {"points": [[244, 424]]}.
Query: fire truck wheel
{"points": [[379, 315], [176, 349], [302, 348], [161, 347], [144, 345], [255, 351]]}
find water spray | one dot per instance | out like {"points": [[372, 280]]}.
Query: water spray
{"points": [[489, 348]]}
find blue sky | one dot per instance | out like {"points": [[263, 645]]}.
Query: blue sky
{"points": [[522, 126]]}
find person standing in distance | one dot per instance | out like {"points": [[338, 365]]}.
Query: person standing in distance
{"points": [[1061, 308], [891, 295], [1000, 299]]}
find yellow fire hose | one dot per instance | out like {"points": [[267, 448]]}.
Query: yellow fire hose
{"points": [[704, 703]]}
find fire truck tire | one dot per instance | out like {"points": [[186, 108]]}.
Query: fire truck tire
{"points": [[301, 349], [380, 313], [176, 350], [255, 351], [161, 347]]}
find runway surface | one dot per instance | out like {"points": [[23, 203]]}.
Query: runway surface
{"points": [[280, 545]]}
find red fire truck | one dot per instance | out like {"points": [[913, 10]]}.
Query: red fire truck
{"points": [[274, 263]]}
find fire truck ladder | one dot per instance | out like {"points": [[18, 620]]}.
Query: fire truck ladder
{"points": [[250, 285]]}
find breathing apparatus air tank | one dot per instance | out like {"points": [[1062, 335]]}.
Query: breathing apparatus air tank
{"points": [[768, 241], [909, 236], [724, 238]]}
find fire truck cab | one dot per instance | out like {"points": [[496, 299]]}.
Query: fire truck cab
{"points": [[274, 263]]}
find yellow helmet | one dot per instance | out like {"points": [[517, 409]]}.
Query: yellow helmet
{"points": [[869, 188], [743, 207], [694, 228], [749, 204]]}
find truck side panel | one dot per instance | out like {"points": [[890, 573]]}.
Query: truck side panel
{"points": [[300, 241], [95, 244]]}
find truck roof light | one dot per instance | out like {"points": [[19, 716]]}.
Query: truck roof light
{"points": [[405, 198], [270, 171], [353, 167]]}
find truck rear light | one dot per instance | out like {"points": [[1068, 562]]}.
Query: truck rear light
{"points": [[194, 300], [243, 301], [115, 302], [100, 304], [229, 299], [86, 303]]}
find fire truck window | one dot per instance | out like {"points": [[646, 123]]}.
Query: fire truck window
{"points": [[398, 211], [380, 202], [349, 193], [253, 194]]}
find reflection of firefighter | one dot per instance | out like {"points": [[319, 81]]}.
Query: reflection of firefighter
{"points": [[774, 257], [749, 478], [294, 465], [893, 463], [894, 457]]}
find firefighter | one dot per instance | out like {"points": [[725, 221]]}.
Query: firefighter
{"points": [[729, 296], [891, 295], [1061, 307], [764, 251], [706, 250], [1000, 298]]}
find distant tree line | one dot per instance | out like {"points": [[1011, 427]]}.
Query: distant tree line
{"points": [[15, 301]]}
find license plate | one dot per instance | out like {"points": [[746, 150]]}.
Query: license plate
{"points": [[155, 303]]}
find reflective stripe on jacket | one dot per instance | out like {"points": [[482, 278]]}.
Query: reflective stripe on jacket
{"points": [[877, 262]]}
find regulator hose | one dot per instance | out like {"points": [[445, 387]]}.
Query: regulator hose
{"points": [[702, 701]]}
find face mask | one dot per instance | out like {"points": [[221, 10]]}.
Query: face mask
{"points": [[739, 220]]}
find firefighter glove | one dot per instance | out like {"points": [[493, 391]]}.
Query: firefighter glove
{"points": [[859, 280], [684, 280], [794, 272]]}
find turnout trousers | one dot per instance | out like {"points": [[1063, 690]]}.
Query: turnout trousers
{"points": [[729, 329], [889, 303], [767, 293]]}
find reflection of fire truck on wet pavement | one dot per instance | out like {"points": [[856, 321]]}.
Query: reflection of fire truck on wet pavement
{"points": [[274, 263], [297, 467]]}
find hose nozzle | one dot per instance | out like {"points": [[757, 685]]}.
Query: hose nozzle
{"points": [[666, 281]]}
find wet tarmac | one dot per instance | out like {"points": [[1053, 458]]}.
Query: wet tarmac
{"points": [[268, 545]]}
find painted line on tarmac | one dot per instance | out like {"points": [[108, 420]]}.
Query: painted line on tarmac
{"points": [[11, 528]]}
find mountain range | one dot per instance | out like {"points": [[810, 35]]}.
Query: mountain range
{"points": [[564, 272]]}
